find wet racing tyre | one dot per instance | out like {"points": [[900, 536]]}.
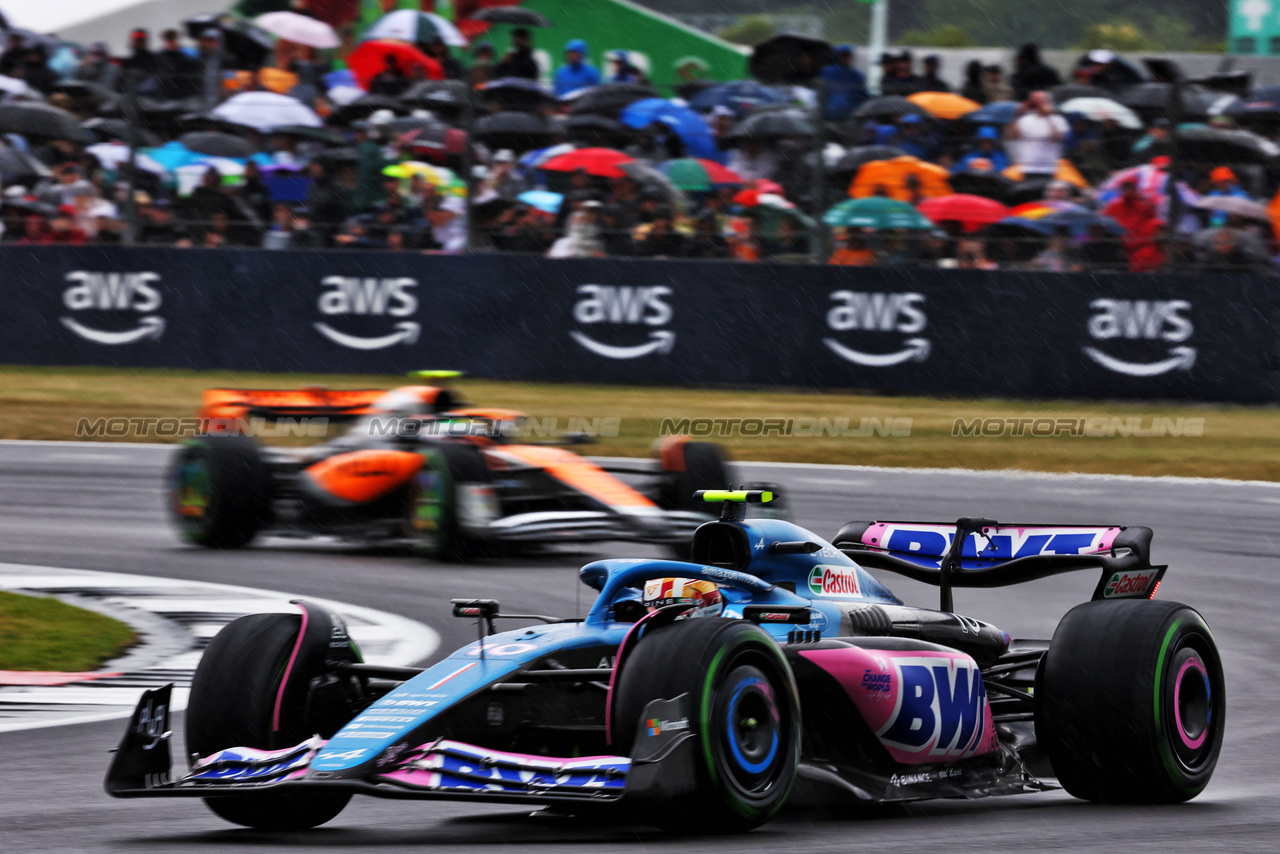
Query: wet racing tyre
{"points": [[220, 491], [690, 466], [1130, 702], [450, 475], [742, 704], [234, 694]]}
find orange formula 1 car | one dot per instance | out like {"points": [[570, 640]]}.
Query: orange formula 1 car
{"points": [[419, 466]]}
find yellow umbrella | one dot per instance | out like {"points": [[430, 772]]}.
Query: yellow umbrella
{"points": [[1066, 171], [944, 105], [891, 178], [441, 177]]}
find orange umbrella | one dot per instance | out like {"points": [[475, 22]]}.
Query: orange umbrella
{"points": [[893, 178], [1065, 172], [1274, 210], [944, 105]]}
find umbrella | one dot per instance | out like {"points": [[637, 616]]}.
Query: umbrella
{"points": [[588, 128], [972, 212], [300, 29], [889, 107], [851, 161], [789, 59], [513, 15], [944, 105], [172, 155], [517, 93], [876, 213], [544, 200], [337, 156], [1214, 145], [1263, 104], [1067, 91], [17, 167], [699, 175], [653, 180], [422, 121], [601, 162], [363, 107], [995, 113], [741, 96], [533, 159], [1046, 207], [265, 111], [1153, 100], [777, 124], [218, 144], [370, 59], [245, 44], [108, 129], [328, 136], [1066, 171], [1101, 109], [684, 122], [420, 28], [93, 94], [40, 120], [438, 95], [18, 88], [114, 154], [609, 99], [895, 178], [1235, 205], [517, 131], [445, 179], [981, 182], [1079, 222]]}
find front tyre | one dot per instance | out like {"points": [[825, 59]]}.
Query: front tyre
{"points": [[742, 700], [1131, 702]]}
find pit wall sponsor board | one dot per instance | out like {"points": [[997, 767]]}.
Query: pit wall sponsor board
{"points": [[955, 332]]}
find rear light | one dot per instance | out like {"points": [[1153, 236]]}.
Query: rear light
{"points": [[1153, 590]]}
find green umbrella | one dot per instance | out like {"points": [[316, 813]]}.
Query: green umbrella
{"points": [[878, 213]]}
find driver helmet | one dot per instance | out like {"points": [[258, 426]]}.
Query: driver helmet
{"points": [[703, 596]]}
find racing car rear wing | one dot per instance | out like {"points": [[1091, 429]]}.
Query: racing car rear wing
{"points": [[335, 404], [979, 552]]}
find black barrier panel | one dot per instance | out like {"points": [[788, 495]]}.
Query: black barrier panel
{"points": [[950, 332]]}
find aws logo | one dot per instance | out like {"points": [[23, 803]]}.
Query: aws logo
{"points": [[624, 305], [1142, 320], [877, 312], [356, 296], [114, 292]]}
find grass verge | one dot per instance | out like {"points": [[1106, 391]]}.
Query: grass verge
{"points": [[1231, 442], [37, 633]]}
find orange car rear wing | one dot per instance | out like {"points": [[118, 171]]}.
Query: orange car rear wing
{"points": [[335, 404]]}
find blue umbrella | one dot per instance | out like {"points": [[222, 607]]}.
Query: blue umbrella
{"points": [[543, 200], [171, 155], [740, 96], [1077, 222], [684, 122], [995, 113], [341, 77]]}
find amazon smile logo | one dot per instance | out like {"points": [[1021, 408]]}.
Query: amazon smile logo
{"points": [[357, 296], [624, 305], [876, 312], [1142, 320], [113, 292]]}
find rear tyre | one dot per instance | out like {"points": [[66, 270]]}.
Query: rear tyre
{"points": [[220, 491], [742, 702], [233, 703], [1130, 702], [447, 472], [689, 467]]}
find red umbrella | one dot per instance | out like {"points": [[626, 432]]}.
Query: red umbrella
{"points": [[718, 174], [601, 162], [370, 58], [972, 212]]}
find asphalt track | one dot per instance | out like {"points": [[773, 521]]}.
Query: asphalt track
{"points": [[100, 507]]}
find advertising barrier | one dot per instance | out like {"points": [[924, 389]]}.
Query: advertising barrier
{"points": [[963, 333]]}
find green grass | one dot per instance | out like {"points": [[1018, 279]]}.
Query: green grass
{"points": [[1237, 442], [45, 634]]}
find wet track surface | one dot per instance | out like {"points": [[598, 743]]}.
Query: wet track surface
{"points": [[100, 507]]}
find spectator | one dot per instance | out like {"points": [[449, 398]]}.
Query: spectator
{"points": [[852, 251], [369, 189], [659, 238], [582, 238], [15, 55], [844, 86], [176, 72], [914, 139], [439, 51], [1146, 247], [623, 70], [482, 65], [971, 254], [519, 61], [158, 226], [390, 80], [743, 243], [1102, 252], [898, 78], [1223, 184], [929, 81], [36, 71], [279, 235], [1137, 216], [974, 87], [1058, 256], [987, 147], [525, 230], [1108, 71], [98, 67], [995, 86], [354, 235], [1154, 143], [1039, 131], [753, 161], [1031, 74], [212, 59], [141, 63], [707, 241], [576, 73], [35, 231]]}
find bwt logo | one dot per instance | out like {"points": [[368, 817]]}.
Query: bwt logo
{"points": [[877, 312], [369, 297], [942, 708], [114, 292], [1142, 320], [624, 305]]}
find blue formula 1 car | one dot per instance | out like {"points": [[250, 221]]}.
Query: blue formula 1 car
{"points": [[706, 694]]}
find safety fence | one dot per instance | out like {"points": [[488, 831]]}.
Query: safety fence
{"points": [[964, 333]]}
